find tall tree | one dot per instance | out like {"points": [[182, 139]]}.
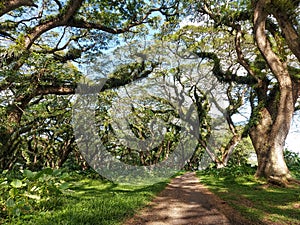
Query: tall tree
{"points": [[263, 38], [39, 39]]}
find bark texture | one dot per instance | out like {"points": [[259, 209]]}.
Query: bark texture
{"points": [[275, 117]]}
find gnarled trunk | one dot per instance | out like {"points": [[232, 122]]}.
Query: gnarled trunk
{"points": [[269, 150], [275, 115]]}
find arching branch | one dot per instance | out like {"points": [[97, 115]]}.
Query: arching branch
{"points": [[60, 20], [10, 5], [220, 74]]}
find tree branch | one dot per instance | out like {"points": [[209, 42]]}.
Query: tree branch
{"points": [[57, 90], [10, 5], [291, 36], [240, 55], [59, 20], [58, 4], [220, 74], [81, 23]]}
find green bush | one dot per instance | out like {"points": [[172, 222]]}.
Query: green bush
{"points": [[231, 171], [292, 160], [23, 191]]}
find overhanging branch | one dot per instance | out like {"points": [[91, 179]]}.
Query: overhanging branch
{"points": [[9, 5], [222, 76]]}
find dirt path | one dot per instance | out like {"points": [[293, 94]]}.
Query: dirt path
{"points": [[186, 201]]}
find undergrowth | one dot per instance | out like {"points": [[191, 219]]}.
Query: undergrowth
{"points": [[58, 197]]}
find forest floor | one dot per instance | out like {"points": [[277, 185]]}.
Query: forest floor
{"points": [[185, 201]]}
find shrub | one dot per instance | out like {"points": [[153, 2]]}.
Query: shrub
{"points": [[231, 171], [22, 191], [292, 160]]}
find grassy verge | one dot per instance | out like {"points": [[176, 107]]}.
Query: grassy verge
{"points": [[90, 201], [258, 202]]}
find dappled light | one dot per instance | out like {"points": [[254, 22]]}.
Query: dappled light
{"points": [[149, 112]]}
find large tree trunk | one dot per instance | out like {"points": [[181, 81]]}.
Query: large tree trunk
{"points": [[275, 116], [269, 150]]}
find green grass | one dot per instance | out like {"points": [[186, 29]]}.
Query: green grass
{"points": [[256, 200], [91, 201]]}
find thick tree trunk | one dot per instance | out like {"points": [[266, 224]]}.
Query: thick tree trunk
{"points": [[269, 135], [269, 150]]}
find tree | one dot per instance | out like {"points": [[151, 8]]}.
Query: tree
{"points": [[186, 43], [270, 68], [138, 138], [47, 138], [40, 39], [190, 81]]}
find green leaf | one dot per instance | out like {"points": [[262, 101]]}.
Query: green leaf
{"points": [[10, 203], [64, 176], [26, 207], [16, 183], [17, 212], [4, 183], [64, 186], [29, 174], [34, 188], [47, 171], [56, 172], [13, 192]]}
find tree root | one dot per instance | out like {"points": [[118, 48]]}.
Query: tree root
{"points": [[283, 181], [278, 181], [294, 181]]}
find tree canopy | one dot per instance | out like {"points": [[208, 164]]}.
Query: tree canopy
{"points": [[41, 39], [252, 48]]}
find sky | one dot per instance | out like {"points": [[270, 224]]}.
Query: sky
{"points": [[293, 138]]}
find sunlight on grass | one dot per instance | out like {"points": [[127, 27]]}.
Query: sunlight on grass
{"points": [[255, 200], [92, 202]]}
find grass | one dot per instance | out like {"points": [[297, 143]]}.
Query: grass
{"points": [[94, 201], [257, 201], [91, 201]]}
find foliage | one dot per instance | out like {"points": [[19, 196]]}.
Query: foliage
{"points": [[43, 129], [293, 162], [292, 158], [233, 170], [40, 41], [142, 105], [140, 112], [242, 153], [24, 191], [90, 201]]}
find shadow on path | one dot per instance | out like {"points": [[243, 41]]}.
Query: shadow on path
{"points": [[186, 202]]}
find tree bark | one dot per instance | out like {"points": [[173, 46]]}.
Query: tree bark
{"points": [[10, 5], [60, 20], [269, 151], [269, 135], [291, 36]]}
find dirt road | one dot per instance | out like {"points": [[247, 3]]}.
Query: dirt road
{"points": [[186, 201]]}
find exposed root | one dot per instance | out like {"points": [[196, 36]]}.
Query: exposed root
{"points": [[278, 181], [293, 181], [285, 181]]}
